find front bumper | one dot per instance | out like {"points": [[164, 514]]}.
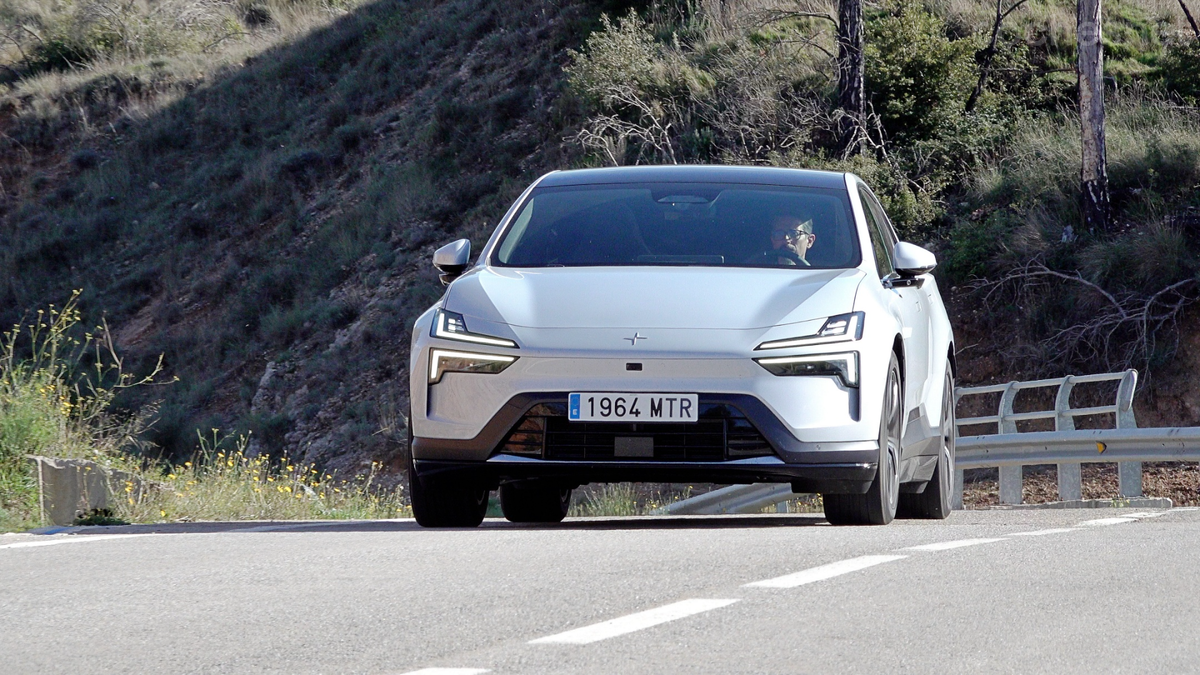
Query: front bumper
{"points": [[461, 406], [845, 466]]}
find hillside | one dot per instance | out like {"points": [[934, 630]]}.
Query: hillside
{"points": [[255, 196], [266, 224]]}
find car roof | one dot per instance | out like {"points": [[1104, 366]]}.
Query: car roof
{"points": [[697, 173]]}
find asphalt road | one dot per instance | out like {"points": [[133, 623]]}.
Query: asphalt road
{"points": [[998, 591]]}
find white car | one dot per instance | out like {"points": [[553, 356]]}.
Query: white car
{"points": [[685, 324]]}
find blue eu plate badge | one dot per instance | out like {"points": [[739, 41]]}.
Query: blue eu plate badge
{"points": [[573, 405]]}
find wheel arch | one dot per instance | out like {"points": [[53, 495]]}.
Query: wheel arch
{"points": [[898, 350]]}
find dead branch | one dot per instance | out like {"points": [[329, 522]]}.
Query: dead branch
{"points": [[1122, 333], [774, 16], [987, 55], [1190, 18]]}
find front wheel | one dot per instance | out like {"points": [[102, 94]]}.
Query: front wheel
{"points": [[443, 501], [878, 505]]}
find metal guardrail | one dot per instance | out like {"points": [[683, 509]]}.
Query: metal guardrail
{"points": [[1010, 449], [733, 499], [1066, 446]]}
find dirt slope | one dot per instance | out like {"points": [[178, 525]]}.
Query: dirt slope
{"points": [[269, 231]]}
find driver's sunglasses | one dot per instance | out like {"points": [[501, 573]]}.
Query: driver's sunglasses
{"points": [[790, 235]]}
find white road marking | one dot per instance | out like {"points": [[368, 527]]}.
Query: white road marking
{"points": [[1039, 533], [1106, 521], [448, 671], [632, 622], [1145, 514], [70, 539], [947, 545], [823, 572]]}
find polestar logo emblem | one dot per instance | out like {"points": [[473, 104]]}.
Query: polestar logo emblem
{"points": [[633, 340]]}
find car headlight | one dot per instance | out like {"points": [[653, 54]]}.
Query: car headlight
{"points": [[442, 361], [841, 366], [452, 326], [840, 328]]}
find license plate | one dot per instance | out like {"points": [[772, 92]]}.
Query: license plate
{"points": [[617, 407]]}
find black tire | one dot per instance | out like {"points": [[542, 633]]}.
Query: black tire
{"points": [[934, 502], [878, 506], [534, 503], [444, 501]]}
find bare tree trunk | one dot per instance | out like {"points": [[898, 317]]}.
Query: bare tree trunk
{"points": [[985, 56], [850, 75], [1191, 20], [1091, 115]]}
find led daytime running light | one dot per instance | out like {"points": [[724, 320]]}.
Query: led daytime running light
{"points": [[842, 366], [442, 361]]}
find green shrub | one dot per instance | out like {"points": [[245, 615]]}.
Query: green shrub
{"points": [[1179, 69], [731, 98], [917, 78], [57, 386]]}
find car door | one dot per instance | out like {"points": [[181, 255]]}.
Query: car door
{"points": [[914, 307]]}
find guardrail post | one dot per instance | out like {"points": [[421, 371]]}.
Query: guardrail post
{"points": [[956, 493], [1129, 474], [1070, 478], [1010, 476]]}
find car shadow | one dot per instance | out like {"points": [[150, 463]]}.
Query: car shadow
{"points": [[489, 524], [670, 522]]}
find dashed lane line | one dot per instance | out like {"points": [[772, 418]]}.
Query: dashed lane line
{"points": [[1101, 522], [823, 572], [633, 622], [947, 545], [1041, 533], [71, 539], [448, 671]]}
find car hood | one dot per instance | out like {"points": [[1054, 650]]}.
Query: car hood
{"points": [[689, 298]]}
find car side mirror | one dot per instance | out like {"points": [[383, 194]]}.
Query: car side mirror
{"points": [[451, 260], [912, 260]]}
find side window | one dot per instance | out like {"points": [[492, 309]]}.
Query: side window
{"points": [[885, 223], [879, 240]]}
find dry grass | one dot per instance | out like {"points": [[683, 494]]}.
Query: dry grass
{"points": [[156, 51], [1145, 137], [626, 499], [1058, 16], [224, 487]]}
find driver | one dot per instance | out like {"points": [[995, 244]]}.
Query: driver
{"points": [[791, 237]]}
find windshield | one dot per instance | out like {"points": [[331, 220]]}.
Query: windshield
{"points": [[682, 224]]}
